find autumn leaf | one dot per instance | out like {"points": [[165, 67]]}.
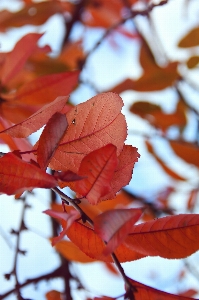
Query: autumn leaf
{"points": [[106, 14], [72, 253], [91, 125], [155, 79], [123, 173], [53, 295], [113, 226], [91, 244], [32, 13], [16, 59], [98, 167], [69, 218], [191, 39], [154, 114], [145, 292], [168, 171], [168, 237], [44, 89], [37, 120], [17, 176], [187, 151], [50, 138]]}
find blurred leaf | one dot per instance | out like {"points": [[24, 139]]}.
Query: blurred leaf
{"points": [[170, 172], [187, 151], [32, 13], [191, 39], [53, 295], [193, 62], [154, 114], [155, 79]]}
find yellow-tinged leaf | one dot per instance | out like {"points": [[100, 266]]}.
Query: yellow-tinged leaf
{"points": [[191, 39], [193, 62]]}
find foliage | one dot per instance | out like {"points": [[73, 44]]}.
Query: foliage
{"points": [[82, 155]]}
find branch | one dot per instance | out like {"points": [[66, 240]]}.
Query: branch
{"points": [[59, 272], [85, 218]]}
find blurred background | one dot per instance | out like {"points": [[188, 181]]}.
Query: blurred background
{"points": [[148, 52]]}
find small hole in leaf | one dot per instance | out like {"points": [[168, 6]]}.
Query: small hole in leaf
{"points": [[73, 121]]}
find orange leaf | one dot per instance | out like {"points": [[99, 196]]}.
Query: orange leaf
{"points": [[169, 237], [91, 125], [145, 292], [50, 138], [53, 295], [155, 116], [187, 151], [105, 14], [170, 172], [192, 200], [71, 252], [193, 62], [191, 39], [88, 241], [113, 226], [152, 80], [33, 13], [98, 167], [44, 89], [17, 176], [16, 59], [37, 120]]}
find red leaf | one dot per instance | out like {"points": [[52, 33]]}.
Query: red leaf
{"points": [[16, 59], [50, 138], [113, 226], [44, 89], [91, 244], [68, 217], [67, 176], [123, 173], [37, 120], [17, 176], [145, 292], [98, 167], [92, 125], [169, 237]]}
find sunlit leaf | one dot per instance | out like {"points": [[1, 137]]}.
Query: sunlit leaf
{"points": [[17, 176], [168, 237], [113, 226], [145, 292], [37, 120], [72, 252], [91, 125], [98, 167], [50, 138]]}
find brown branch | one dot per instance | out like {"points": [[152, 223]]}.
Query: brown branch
{"points": [[85, 218]]}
